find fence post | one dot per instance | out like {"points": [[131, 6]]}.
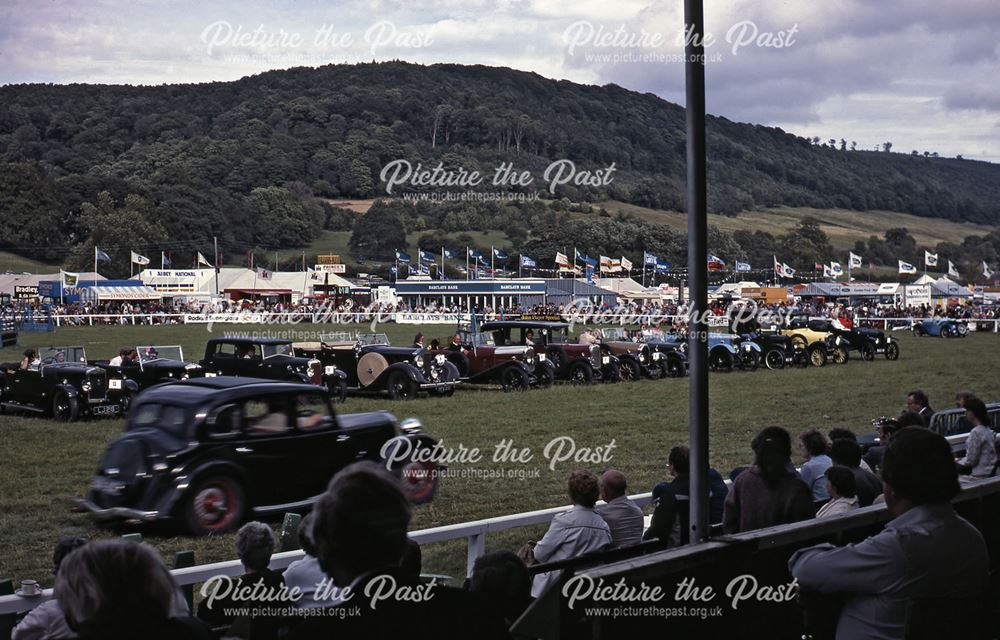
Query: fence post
{"points": [[477, 548]]}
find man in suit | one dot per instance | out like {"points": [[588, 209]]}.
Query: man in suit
{"points": [[918, 402], [623, 516]]}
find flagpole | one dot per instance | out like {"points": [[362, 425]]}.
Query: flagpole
{"points": [[215, 243], [467, 262], [442, 264], [493, 268], [97, 296]]}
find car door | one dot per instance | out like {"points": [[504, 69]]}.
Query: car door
{"points": [[224, 359], [323, 447], [269, 450]]}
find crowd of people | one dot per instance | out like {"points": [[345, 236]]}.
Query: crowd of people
{"points": [[356, 537]]}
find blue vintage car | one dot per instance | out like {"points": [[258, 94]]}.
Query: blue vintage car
{"points": [[941, 328], [725, 351]]}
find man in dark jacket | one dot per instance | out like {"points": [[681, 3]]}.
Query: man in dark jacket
{"points": [[918, 403], [671, 516], [847, 453]]}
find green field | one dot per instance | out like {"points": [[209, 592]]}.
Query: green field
{"points": [[46, 463]]}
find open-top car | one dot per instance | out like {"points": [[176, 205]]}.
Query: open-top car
{"points": [[212, 452], [272, 359], [725, 351], [373, 365], [481, 359], [156, 364], [65, 385], [778, 350], [821, 345], [574, 362], [940, 328], [866, 341], [637, 358]]}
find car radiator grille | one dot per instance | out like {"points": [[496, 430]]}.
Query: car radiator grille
{"points": [[98, 386]]}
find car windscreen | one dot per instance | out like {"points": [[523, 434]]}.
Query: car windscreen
{"points": [[165, 417], [277, 350], [56, 355], [150, 353], [373, 338], [615, 333]]}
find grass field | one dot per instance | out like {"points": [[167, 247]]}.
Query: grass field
{"points": [[45, 463], [18, 264]]}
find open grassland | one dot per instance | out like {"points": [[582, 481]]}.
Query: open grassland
{"points": [[46, 463], [843, 226]]}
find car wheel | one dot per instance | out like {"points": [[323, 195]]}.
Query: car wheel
{"points": [[126, 401], [544, 378], [800, 357], [750, 361], [817, 355], [65, 408], [774, 359], [216, 505], [514, 379], [629, 370], [867, 352], [581, 373], [720, 360], [892, 351], [611, 373], [840, 355], [339, 391], [962, 329], [419, 481], [400, 386]]}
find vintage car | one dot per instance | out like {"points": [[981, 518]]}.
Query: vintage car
{"points": [[940, 328], [155, 364], [272, 359], [573, 362], [866, 341], [818, 342], [373, 365], [480, 359], [637, 358], [210, 453], [65, 385], [778, 350], [725, 351]]}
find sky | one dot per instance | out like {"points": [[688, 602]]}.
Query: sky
{"points": [[922, 74]]}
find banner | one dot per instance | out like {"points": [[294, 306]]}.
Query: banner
{"points": [[743, 267], [69, 280], [906, 267], [626, 264], [142, 261]]}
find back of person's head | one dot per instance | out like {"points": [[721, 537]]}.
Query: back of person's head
{"points": [[963, 396], [65, 546], [772, 452], [114, 589], [412, 562], [502, 580], [977, 407], [583, 488], [919, 466], [613, 484], [839, 432], [680, 459], [846, 452], [842, 480], [908, 419], [305, 535], [360, 522], [254, 545], [814, 443]]}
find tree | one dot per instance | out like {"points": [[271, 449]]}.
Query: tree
{"points": [[117, 228], [379, 233], [854, 145], [282, 220], [887, 146]]}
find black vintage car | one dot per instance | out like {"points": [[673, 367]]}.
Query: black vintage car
{"points": [[373, 365], [480, 360], [779, 351], [866, 341], [272, 359], [574, 362], [155, 364], [210, 453], [65, 385]]}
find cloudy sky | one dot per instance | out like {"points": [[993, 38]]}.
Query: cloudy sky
{"points": [[922, 74]]}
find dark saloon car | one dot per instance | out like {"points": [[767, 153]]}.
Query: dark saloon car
{"points": [[574, 362], [155, 365], [272, 359], [63, 384], [373, 365], [212, 452]]}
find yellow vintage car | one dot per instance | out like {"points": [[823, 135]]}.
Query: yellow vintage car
{"points": [[822, 345]]}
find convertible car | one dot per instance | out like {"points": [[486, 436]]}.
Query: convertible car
{"points": [[941, 328]]}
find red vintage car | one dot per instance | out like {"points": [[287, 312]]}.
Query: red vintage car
{"points": [[575, 362], [481, 360]]}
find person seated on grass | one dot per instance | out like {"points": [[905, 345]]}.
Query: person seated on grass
{"points": [[847, 453], [624, 517], [572, 533], [815, 447], [120, 590], [671, 499], [47, 620], [980, 459], [926, 552], [843, 493], [770, 492]]}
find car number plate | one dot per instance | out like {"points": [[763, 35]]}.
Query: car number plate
{"points": [[210, 374], [105, 410], [114, 384], [656, 355], [329, 370], [606, 360]]}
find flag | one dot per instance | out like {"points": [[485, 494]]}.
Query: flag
{"points": [[499, 254], [577, 256], [402, 257], [986, 270], [475, 255], [779, 269], [590, 274], [100, 256], [788, 271], [561, 259], [827, 272], [605, 263], [626, 264], [202, 261], [952, 271], [590, 262], [715, 263], [662, 267], [164, 260], [448, 253], [854, 260], [263, 274], [69, 280], [393, 270], [819, 267], [648, 258], [528, 262], [139, 260], [836, 269], [427, 255], [906, 267], [743, 267], [930, 259], [424, 269], [615, 265]]}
